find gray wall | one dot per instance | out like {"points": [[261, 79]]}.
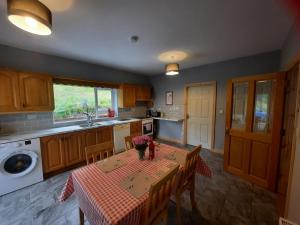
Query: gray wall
{"points": [[35, 62], [291, 47], [220, 72]]}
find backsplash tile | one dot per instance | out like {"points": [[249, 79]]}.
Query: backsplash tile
{"points": [[16, 123], [171, 111]]}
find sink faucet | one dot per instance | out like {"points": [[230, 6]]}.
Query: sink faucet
{"points": [[89, 118], [89, 115]]}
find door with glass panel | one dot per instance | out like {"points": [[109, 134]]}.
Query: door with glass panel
{"points": [[253, 127]]}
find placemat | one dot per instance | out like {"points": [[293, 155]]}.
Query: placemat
{"points": [[177, 156], [138, 184], [109, 164], [164, 169]]}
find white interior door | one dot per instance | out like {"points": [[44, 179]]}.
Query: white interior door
{"points": [[200, 115]]}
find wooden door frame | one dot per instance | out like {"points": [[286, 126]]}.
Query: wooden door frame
{"points": [[186, 87]]}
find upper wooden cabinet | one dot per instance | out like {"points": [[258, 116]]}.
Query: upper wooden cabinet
{"points": [[36, 92], [25, 92], [126, 96], [143, 93], [9, 91]]}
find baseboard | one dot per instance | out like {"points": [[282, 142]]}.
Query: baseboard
{"points": [[218, 151], [170, 139]]}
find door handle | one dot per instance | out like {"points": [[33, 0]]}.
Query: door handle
{"points": [[227, 131]]}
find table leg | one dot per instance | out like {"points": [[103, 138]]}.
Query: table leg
{"points": [[81, 217]]}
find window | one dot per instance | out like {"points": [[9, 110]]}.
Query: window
{"points": [[71, 101]]}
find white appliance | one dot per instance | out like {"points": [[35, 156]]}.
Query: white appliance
{"points": [[147, 126], [120, 132], [20, 165]]}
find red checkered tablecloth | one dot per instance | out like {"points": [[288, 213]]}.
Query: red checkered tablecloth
{"points": [[100, 195]]}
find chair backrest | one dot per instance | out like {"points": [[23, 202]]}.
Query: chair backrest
{"points": [[159, 196], [98, 152], [190, 164], [128, 142]]}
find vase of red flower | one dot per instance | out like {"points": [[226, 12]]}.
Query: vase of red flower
{"points": [[141, 144]]}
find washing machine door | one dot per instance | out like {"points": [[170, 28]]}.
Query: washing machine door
{"points": [[19, 163]]}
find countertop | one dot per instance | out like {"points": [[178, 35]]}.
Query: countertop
{"points": [[6, 138], [169, 119]]}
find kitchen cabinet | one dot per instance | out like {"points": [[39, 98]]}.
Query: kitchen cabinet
{"points": [[64, 150], [136, 128], [36, 92], [53, 153], [104, 134], [25, 92], [9, 91], [126, 96], [73, 148], [143, 93]]}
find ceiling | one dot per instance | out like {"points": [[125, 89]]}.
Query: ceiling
{"points": [[99, 31]]}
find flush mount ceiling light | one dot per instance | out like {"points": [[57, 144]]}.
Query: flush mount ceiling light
{"points": [[30, 15], [172, 69]]}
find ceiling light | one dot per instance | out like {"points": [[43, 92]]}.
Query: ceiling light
{"points": [[30, 15], [172, 69]]}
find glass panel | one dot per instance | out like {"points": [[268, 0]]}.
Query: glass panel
{"points": [[105, 101], [71, 101], [239, 110], [263, 106]]}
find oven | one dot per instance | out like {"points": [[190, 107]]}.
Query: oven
{"points": [[147, 126]]}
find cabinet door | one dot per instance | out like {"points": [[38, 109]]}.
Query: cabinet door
{"points": [[72, 144], [143, 93], [36, 92], [53, 153], [136, 128], [9, 91], [128, 96], [104, 134]]}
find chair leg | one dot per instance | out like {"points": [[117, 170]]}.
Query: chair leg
{"points": [[81, 217], [165, 217], [178, 209], [192, 193]]}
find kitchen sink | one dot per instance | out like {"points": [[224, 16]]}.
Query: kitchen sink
{"points": [[87, 125]]}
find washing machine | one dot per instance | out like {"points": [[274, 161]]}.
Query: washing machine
{"points": [[20, 165]]}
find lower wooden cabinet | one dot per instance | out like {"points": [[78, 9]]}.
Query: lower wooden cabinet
{"points": [[136, 128], [73, 149], [53, 153], [65, 150]]}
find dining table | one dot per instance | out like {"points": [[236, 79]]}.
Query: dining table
{"points": [[102, 195]]}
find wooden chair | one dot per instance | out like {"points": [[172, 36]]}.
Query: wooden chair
{"points": [[128, 142], [156, 208], [187, 181], [98, 152], [93, 154]]}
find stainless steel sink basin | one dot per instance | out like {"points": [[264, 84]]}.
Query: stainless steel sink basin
{"points": [[87, 125]]}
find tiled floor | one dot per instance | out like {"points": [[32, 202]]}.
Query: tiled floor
{"points": [[223, 199]]}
